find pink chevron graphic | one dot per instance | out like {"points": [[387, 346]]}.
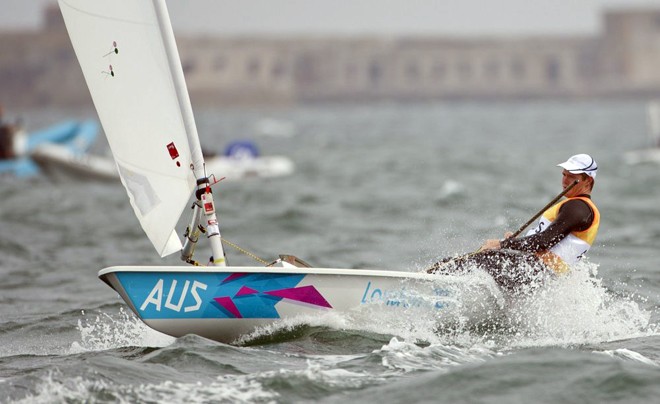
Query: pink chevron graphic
{"points": [[245, 291], [227, 303], [234, 276], [305, 294]]}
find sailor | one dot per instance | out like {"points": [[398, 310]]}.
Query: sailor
{"points": [[13, 138], [561, 238], [6, 137]]}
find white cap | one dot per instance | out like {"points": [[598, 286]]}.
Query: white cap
{"points": [[580, 163]]}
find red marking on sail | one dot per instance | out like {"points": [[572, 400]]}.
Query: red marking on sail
{"points": [[174, 153], [233, 276], [228, 305], [246, 291], [305, 294]]}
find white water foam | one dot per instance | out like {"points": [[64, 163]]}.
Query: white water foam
{"points": [[56, 387], [326, 319], [326, 373], [408, 357], [230, 388], [570, 310], [123, 329], [449, 189], [577, 309], [319, 372], [627, 354], [52, 390]]}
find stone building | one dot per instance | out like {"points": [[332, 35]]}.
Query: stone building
{"points": [[41, 69], [630, 51]]}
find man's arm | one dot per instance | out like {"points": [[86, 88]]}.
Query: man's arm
{"points": [[574, 215]]}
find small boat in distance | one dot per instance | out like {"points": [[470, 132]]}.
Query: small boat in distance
{"points": [[72, 136], [62, 163], [652, 153], [242, 159]]}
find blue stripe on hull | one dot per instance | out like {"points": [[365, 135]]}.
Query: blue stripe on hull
{"points": [[205, 295]]}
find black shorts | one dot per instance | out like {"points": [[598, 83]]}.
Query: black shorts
{"points": [[511, 269]]}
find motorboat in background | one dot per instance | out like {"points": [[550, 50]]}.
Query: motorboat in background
{"points": [[73, 136], [242, 159], [61, 163]]}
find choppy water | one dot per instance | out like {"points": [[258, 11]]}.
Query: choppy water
{"points": [[386, 186]]}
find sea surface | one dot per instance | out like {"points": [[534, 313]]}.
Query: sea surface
{"points": [[385, 186]]}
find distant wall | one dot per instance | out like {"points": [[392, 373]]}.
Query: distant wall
{"points": [[40, 68]]}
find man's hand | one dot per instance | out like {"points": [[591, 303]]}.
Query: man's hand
{"points": [[492, 244]]}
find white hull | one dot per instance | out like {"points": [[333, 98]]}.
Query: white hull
{"points": [[260, 167], [62, 163], [224, 303]]}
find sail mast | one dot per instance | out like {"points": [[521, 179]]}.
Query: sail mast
{"points": [[179, 80], [213, 229]]}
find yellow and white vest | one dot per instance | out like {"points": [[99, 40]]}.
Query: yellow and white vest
{"points": [[574, 246]]}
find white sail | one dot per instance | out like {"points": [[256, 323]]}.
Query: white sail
{"points": [[127, 54]]}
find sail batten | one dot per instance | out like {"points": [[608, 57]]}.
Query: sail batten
{"points": [[131, 66]]}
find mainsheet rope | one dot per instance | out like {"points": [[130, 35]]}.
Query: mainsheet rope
{"points": [[244, 251]]}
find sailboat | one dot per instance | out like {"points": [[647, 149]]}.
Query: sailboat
{"points": [[72, 137], [128, 55], [652, 153]]}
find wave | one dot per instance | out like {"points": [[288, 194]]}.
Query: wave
{"points": [[110, 331]]}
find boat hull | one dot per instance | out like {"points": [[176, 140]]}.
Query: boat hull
{"points": [[76, 137], [225, 303], [60, 162], [258, 167]]}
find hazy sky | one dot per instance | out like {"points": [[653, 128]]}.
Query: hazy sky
{"points": [[471, 17]]}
